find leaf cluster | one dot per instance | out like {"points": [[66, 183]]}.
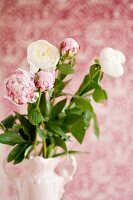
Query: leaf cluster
{"points": [[52, 124]]}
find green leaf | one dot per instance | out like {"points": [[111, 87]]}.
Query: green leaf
{"points": [[45, 107], [11, 138], [20, 158], [69, 153], [99, 95], [66, 69], [23, 135], [83, 103], [2, 127], [87, 118], [41, 133], [9, 121], [86, 85], [42, 104], [58, 130], [32, 106], [28, 128], [59, 86], [76, 126], [74, 110], [96, 126], [58, 108], [35, 116], [95, 72], [91, 80], [16, 151], [16, 128], [60, 142], [27, 151]]}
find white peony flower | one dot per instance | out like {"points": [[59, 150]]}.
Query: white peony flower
{"points": [[111, 62], [42, 55]]}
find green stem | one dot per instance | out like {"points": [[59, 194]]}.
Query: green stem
{"points": [[35, 144], [41, 150], [66, 94], [50, 150], [44, 149], [53, 100], [35, 141], [38, 101], [97, 61], [44, 144]]}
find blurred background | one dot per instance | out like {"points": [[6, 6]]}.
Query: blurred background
{"points": [[106, 173]]}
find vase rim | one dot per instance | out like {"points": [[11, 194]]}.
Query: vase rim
{"points": [[42, 158]]}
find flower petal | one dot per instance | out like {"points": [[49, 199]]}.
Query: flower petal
{"points": [[42, 55], [110, 61]]}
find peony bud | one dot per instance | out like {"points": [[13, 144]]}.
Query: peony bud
{"points": [[111, 62], [44, 81], [69, 47]]}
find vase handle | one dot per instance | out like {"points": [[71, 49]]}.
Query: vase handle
{"points": [[4, 163], [69, 177]]}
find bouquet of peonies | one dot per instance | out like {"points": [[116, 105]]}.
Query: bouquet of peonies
{"points": [[52, 118]]}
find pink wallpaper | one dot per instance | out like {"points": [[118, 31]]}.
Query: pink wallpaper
{"points": [[106, 173]]}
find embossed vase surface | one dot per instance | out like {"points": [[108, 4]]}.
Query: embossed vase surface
{"points": [[39, 181]]}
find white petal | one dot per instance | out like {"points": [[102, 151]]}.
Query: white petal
{"points": [[110, 62], [121, 56], [41, 55], [33, 68], [111, 69]]}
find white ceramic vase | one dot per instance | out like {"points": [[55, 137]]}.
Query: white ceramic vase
{"points": [[39, 181]]}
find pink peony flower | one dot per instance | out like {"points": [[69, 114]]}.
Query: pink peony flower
{"points": [[44, 80], [20, 87], [69, 47]]}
